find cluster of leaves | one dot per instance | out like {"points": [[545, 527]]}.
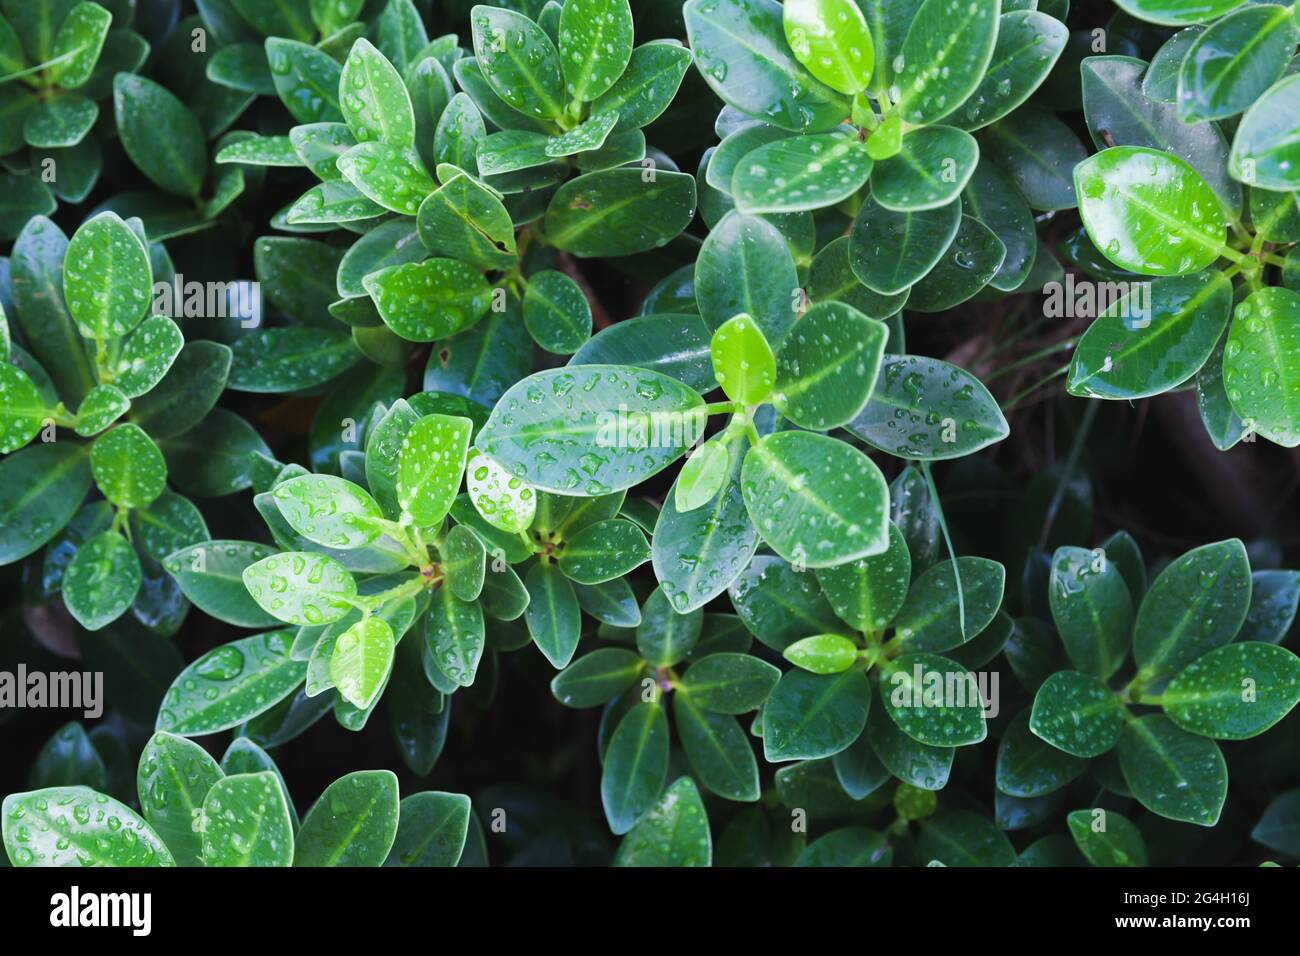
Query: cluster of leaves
{"points": [[463, 497], [196, 811], [1188, 189]]}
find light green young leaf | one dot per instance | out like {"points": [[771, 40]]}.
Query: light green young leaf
{"points": [[301, 588], [374, 100], [76, 826], [743, 363], [430, 467], [173, 778], [107, 278]]}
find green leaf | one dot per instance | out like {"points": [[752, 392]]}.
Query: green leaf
{"points": [[827, 368], [1177, 13], [969, 264], [636, 765], [647, 86], [1114, 100], [430, 467], [848, 846], [301, 588], [960, 40], [933, 700], [664, 636], [22, 410], [1277, 828], [808, 716], [924, 409], [1234, 692], [1077, 713], [1264, 148], [502, 500], [553, 617], [994, 200], [78, 43], [1152, 340], [1107, 839], [913, 762], [1092, 608], [319, 145], [697, 554], [831, 39], [816, 500], [1232, 64], [188, 389], [1259, 362], [107, 279], [361, 662], [288, 358], [391, 176], [595, 46], [354, 823], [890, 251], [1274, 596], [1029, 42], [745, 267], [424, 301], [603, 551], [963, 838], [101, 581], [868, 593], [718, 751], [592, 429], [703, 475], [455, 636], [1196, 604], [62, 121], [801, 173], [231, 684], [931, 169], [373, 99], [174, 776], [778, 604], [741, 51], [929, 619], [464, 220], [306, 80], [431, 830], [519, 61], [128, 467], [822, 653], [41, 488], [619, 212], [76, 826], [464, 558], [675, 832], [146, 355], [743, 363], [246, 822], [160, 134], [212, 458], [596, 678], [1028, 767], [69, 756], [210, 575], [1149, 211], [556, 312], [676, 345], [1039, 153], [329, 511], [729, 682], [1171, 772]]}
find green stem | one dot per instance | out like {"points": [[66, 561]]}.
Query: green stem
{"points": [[1030, 359], [1017, 398], [947, 540], [1071, 460]]}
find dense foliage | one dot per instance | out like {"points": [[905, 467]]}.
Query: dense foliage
{"points": [[655, 410]]}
